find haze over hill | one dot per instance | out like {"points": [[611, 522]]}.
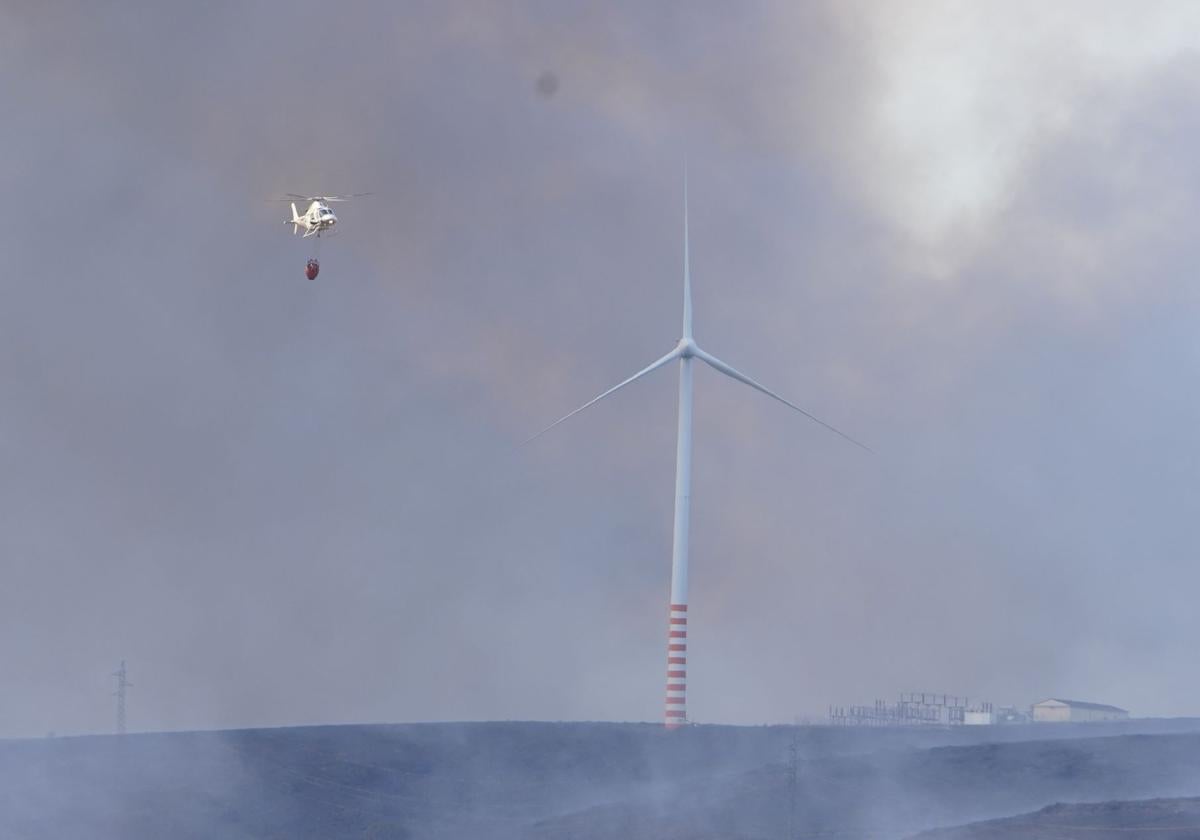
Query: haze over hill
{"points": [[574, 780]]}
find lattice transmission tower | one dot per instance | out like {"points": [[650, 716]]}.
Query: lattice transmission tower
{"points": [[123, 684]]}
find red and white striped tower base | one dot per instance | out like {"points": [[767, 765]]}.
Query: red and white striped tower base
{"points": [[676, 712]]}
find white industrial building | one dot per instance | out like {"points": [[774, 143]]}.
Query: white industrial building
{"points": [[1055, 710]]}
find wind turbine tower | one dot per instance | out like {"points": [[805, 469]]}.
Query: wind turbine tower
{"points": [[685, 351]]}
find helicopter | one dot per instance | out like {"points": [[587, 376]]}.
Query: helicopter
{"points": [[319, 217]]}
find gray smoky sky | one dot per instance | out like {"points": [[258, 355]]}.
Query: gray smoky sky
{"points": [[962, 234]]}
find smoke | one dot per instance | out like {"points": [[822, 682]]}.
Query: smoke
{"points": [[289, 502]]}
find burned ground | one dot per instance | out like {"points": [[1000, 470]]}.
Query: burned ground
{"points": [[577, 780], [1160, 819]]}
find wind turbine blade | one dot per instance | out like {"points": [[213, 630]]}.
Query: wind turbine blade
{"points": [[733, 373], [670, 357], [687, 274]]}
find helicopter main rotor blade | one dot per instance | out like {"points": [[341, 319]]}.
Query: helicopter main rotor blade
{"points": [[298, 197]]}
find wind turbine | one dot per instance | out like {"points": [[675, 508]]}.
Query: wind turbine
{"points": [[685, 351]]}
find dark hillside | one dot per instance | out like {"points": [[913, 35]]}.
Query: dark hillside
{"points": [[578, 780], [1153, 819], [895, 792]]}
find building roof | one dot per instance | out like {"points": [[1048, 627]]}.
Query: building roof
{"points": [[1079, 704]]}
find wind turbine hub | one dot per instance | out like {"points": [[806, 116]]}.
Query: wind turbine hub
{"points": [[686, 348]]}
